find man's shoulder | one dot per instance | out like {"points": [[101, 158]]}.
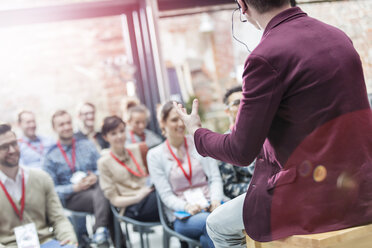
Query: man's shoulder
{"points": [[53, 150], [85, 143], [79, 135], [38, 175]]}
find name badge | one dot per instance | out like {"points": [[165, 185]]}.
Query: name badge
{"points": [[77, 177], [26, 236], [196, 196]]}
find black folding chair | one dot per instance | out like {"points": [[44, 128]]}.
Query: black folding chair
{"points": [[168, 228], [83, 234], [142, 228]]}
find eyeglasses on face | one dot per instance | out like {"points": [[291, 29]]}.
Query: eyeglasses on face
{"points": [[234, 103], [6, 147]]}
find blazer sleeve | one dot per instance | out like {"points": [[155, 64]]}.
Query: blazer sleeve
{"points": [[160, 180], [62, 227], [262, 94]]}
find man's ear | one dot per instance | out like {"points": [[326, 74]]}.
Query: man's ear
{"points": [[242, 6]]}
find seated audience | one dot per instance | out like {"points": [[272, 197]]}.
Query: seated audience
{"points": [[72, 163], [27, 197], [123, 174], [87, 117], [235, 179], [137, 119], [184, 180], [33, 147]]}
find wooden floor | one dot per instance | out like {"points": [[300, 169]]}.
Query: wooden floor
{"points": [[356, 237]]}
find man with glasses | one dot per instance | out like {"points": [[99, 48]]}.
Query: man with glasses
{"points": [[87, 116], [28, 201], [235, 179]]}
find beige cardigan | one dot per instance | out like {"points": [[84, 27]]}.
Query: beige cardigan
{"points": [[42, 207], [117, 182]]}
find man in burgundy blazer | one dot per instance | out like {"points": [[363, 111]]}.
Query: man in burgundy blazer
{"points": [[305, 117]]}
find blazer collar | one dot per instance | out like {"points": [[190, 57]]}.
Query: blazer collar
{"points": [[283, 16]]}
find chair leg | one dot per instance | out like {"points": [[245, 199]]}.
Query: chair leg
{"points": [[117, 229], [166, 239], [141, 237], [127, 234], [147, 240]]}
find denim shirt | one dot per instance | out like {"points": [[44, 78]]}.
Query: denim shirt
{"points": [[56, 165], [34, 151]]}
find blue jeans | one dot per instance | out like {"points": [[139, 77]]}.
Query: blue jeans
{"points": [[225, 224], [195, 228]]}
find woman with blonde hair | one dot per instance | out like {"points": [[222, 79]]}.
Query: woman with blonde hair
{"points": [[184, 180]]}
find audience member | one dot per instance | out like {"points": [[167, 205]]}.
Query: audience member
{"points": [[137, 119], [86, 126], [124, 176], [72, 163], [33, 147], [28, 198], [235, 179], [184, 180]]}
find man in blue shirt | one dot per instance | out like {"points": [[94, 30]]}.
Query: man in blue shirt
{"points": [[33, 147], [72, 163]]}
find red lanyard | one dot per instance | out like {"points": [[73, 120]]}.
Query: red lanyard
{"points": [[18, 212], [140, 174], [143, 137], [73, 155], [188, 177], [41, 149]]}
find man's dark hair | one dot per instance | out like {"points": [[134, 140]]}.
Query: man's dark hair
{"points": [[22, 113], [111, 123], [4, 128], [230, 91], [263, 6], [58, 113], [293, 3]]}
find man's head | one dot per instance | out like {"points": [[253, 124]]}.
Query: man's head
{"points": [[62, 125], [137, 118], [254, 8], [232, 99], [26, 121], [9, 150], [87, 113]]}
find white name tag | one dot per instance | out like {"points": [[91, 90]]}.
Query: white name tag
{"points": [[77, 177], [196, 196], [26, 236]]}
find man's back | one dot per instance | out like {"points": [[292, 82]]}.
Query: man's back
{"points": [[305, 116], [312, 171]]}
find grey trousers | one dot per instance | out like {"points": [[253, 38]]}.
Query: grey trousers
{"points": [[225, 224]]}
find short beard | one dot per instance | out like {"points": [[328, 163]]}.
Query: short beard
{"points": [[7, 164]]}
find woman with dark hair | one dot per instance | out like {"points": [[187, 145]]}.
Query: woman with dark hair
{"points": [[184, 180], [123, 174]]}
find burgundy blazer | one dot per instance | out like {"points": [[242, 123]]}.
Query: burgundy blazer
{"points": [[305, 117]]}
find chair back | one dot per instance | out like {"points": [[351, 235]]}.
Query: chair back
{"points": [[163, 218], [168, 227]]}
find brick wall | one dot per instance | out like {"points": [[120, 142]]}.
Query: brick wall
{"points": [[57, 65]]}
